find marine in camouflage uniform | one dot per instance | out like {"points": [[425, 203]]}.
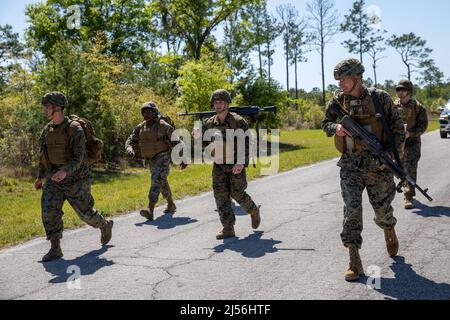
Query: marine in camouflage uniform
{"points": [[153, 138], [67, 176], [229, 175], [415, 117], [359, 169]]}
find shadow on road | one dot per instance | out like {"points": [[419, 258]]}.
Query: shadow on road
{"points": [[167, 221], [238, 211], [88, 264], [427, 212], [251, 247], [408, 285]]}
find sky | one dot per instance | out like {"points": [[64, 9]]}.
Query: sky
{"points": [[427, 19]]}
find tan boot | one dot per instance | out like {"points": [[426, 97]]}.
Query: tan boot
{"points": [[148, 214], [355, 268], [256, 218], [409, 203], [391, 241], [54, 253], [171, 207], [226, 232], [106, 231]]}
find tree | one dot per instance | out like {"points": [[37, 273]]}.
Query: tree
{"points": [[198, 79], [237, 44], [323, 22], [272, 30], [389, 86], [256, 14], [288, 15], [375, 49], [10, 49], [431, 76], [358, 23], [194, 21], [412, 50], [298, 43], [125, 24], [165, 27]]}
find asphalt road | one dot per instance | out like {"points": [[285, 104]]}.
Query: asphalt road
{"points": [[296, 254]]}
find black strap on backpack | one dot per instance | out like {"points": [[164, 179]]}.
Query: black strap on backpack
{"points": [[379, 109]]}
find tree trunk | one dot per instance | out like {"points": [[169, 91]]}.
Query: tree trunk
{"points": [[375, 73], [260, 60], [287, 66], [322, 53], [268, 60], [296, 78], [198, 50], [360, 34]]}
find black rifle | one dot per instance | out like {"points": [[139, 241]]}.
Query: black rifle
{"points": [[252, 112], [376, 148]]}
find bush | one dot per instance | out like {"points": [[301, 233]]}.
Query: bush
{"points": [[198, 79], [301, 114]]}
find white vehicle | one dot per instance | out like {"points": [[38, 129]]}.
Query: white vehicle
{"points": [[444, 121]]}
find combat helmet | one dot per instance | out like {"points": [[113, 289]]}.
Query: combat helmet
{"points": [[220, 94], [348, 67], [55, 98]]}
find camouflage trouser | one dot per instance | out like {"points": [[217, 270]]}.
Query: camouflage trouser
{"points": [[380, 186], [79, 196], [410, 162], [227, 185], [159, 169]]}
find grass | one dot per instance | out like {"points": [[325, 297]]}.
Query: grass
{"points": [[116, 193], [433, 124]]}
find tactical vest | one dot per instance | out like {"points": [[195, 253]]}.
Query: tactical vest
{"points": [[408, 113], [222, 127], [57, 143], [367, 117], [150, 141]]}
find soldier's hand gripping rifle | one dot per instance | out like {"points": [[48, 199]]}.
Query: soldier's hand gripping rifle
{"points": [[376, 148]]}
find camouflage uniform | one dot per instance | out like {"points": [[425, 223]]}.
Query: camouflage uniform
{"points": [[75, 188], [412, 152], [159, 164], [227, 185], [360, 170]]}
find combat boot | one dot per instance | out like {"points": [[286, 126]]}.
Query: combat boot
{"points": [[256, 218], [409, 203], [54, 253], [391, 241], [226, 232], [106, 231], [355, 268], [148, 214], [171, 207]]}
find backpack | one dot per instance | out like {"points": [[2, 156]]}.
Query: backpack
{"points": [[167, 119], [94, 146]]}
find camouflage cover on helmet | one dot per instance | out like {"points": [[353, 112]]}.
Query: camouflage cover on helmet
{"points": [[405, 84], [220, 94], [348, 67], [55, 98], [149, 105]]}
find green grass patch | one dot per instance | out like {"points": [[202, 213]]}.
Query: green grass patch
{"points": [[433, 125], [116, 193]]}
